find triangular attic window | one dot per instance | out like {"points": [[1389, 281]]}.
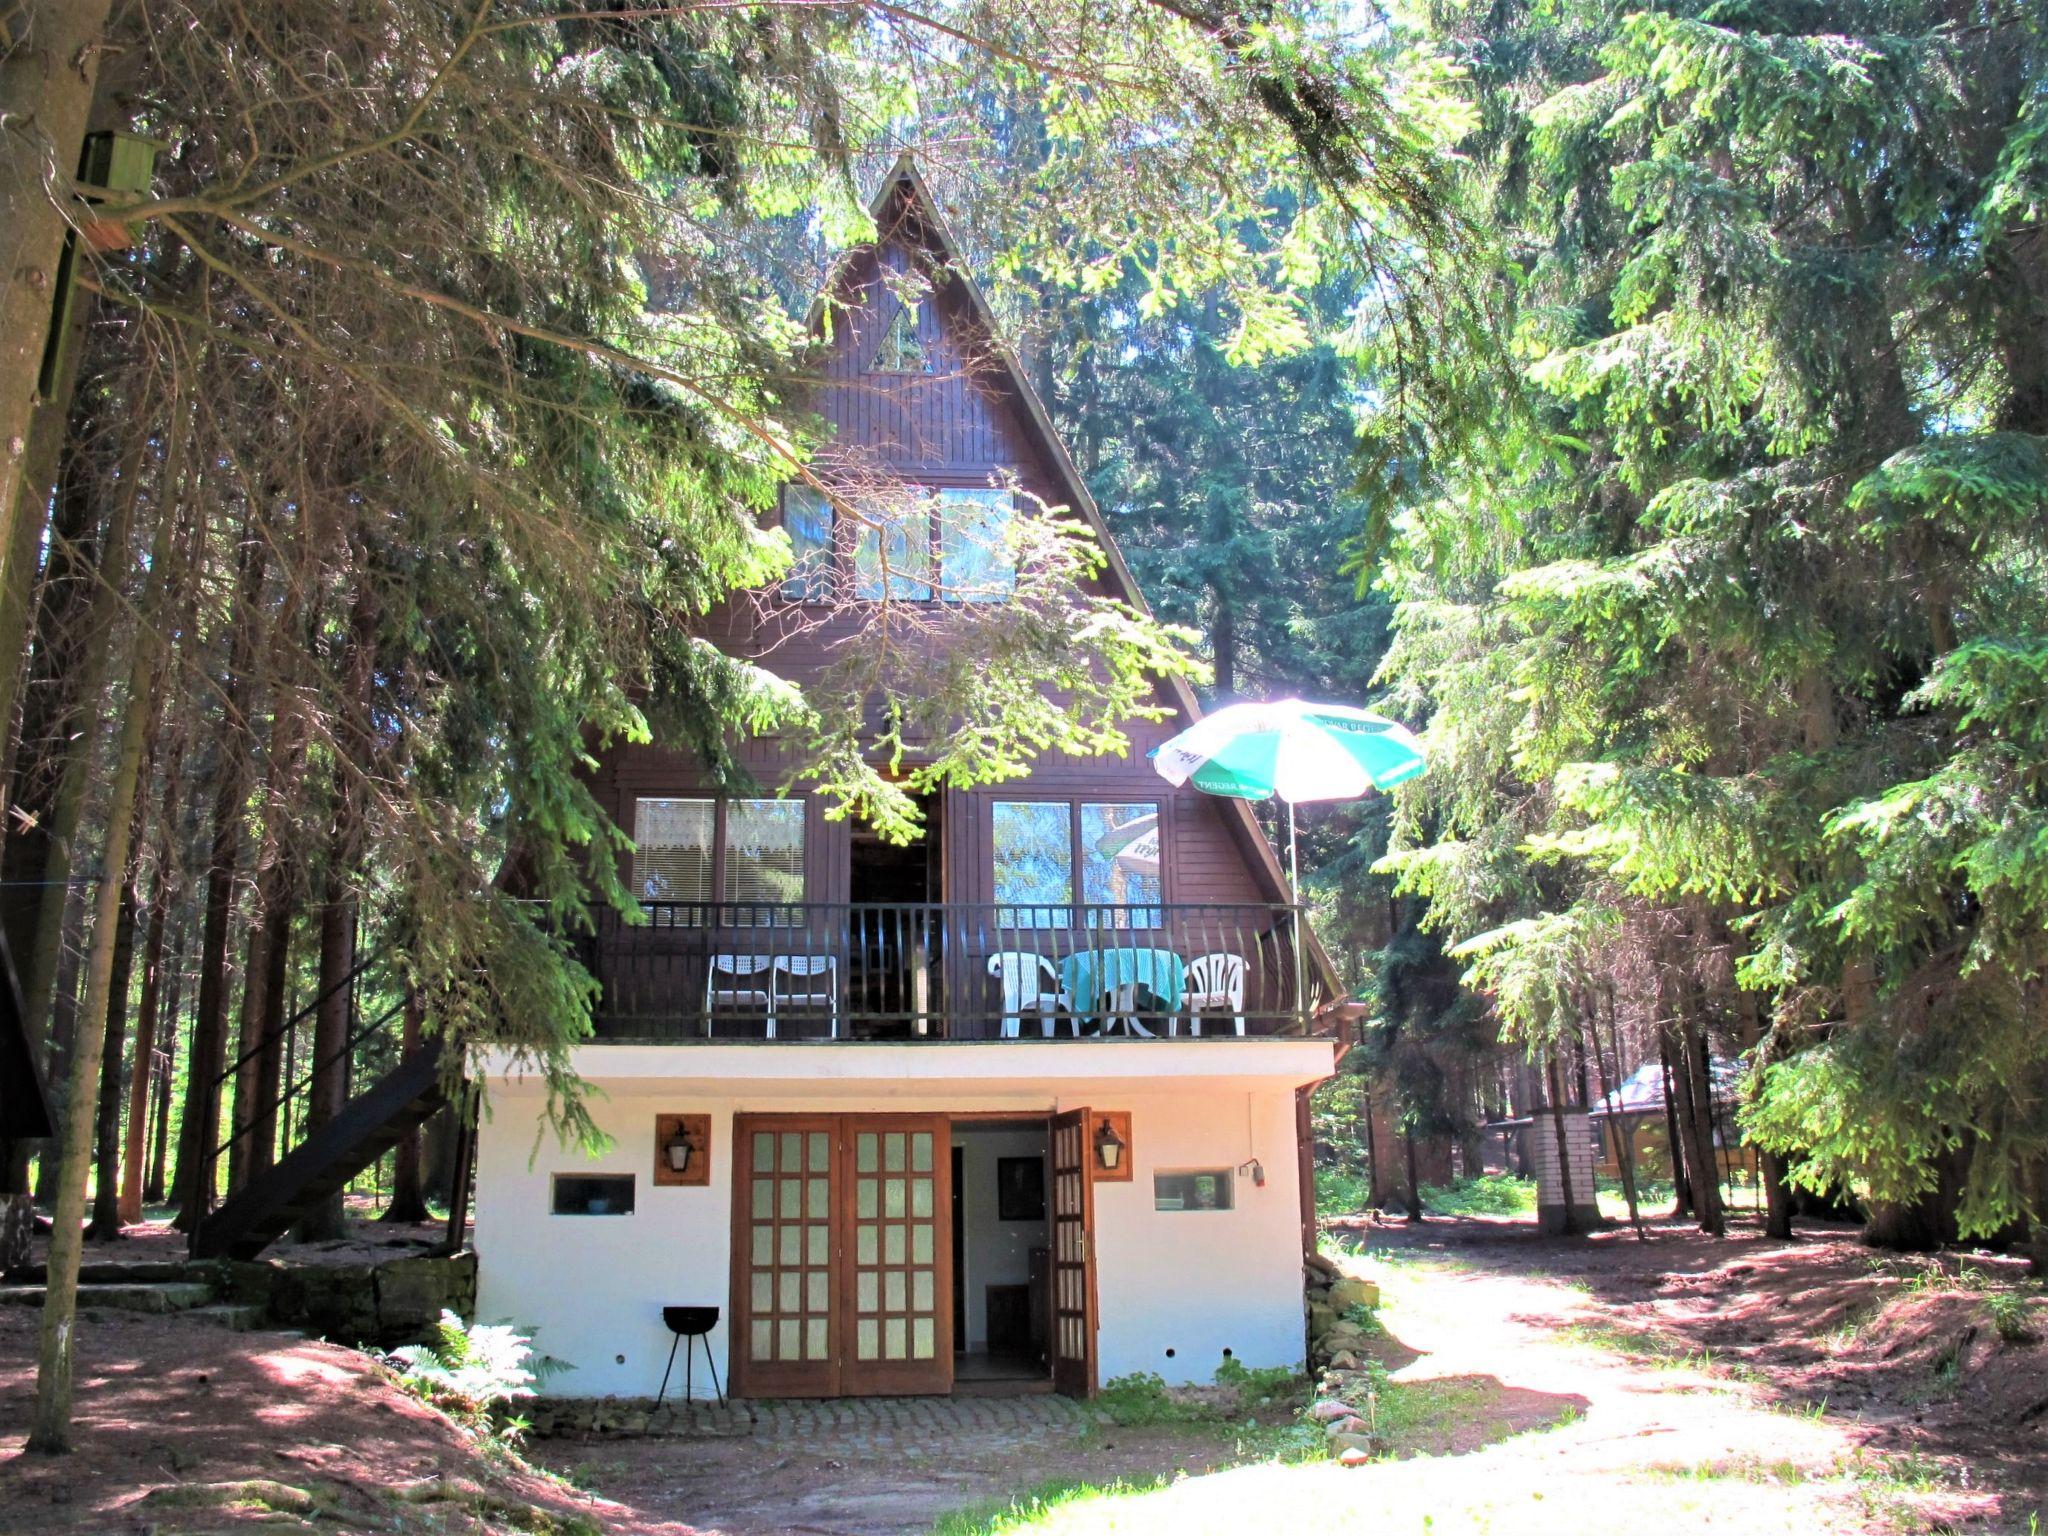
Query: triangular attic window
{"points": [[900, 351]]}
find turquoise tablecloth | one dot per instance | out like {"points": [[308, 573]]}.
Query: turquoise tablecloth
{"points": [[1089, 975]]}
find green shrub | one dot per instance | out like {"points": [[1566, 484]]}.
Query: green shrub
{"points": [[1255, 1382], [1141, 1398], [1493, 1194], [2011, 1316], [1341, 1192]]}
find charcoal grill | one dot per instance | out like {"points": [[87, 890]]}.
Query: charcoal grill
{"points": [[692, 1324]]}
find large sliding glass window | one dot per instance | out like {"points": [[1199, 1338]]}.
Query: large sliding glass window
{"points": [[1039, 845], [1120, 860], [749, 852], [892, 551], [1034, 856]]}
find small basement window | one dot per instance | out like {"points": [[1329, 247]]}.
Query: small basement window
{"points": [[593, 1194], [1203, 1190]]}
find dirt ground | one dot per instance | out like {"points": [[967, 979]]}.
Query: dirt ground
{"points": [[1904, 1347], [164, 1404], [1539, 1386]]}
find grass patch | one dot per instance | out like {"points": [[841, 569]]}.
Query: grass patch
{"points": [[1029, 1510], [1734, 1469], [1613, 1336]]}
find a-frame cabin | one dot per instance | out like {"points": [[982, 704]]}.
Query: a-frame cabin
{"points": [[1016, 1107]]}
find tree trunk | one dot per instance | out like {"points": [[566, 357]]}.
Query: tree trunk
{"points": [[441, 1136], [1375, 1176], [1681, 1186], [199, 1132], [143, 1077], [1619, 1126], [106, 1203], [2037, 1226], [47, 73], [70, 770], [408, 1192], [166, 1078], [331, 1022], [1925, 1224], [1771, 1167], [63, 1018], [1414, 1186], [1695, 1099], [52, 1428], [280, 913], [259, 1047]]}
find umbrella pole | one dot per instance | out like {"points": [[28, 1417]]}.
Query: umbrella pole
{"points": [[1294, 891]]}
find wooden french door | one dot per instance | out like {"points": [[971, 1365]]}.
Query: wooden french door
{"points": [[842, 1255], [1073, 1256], [785, 1294]]}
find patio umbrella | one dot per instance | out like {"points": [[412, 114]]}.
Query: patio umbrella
{"points": [[1295, 750], [1292, 749]]}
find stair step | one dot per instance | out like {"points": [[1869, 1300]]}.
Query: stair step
{"points": [[167, 1296], [114, 1272], [233, 1317]]}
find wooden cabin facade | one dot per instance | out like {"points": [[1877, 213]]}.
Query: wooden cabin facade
{"points": [[1017, 1106]]}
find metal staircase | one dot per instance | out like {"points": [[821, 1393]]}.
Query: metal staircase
{"points": [[369, 1125], [319, 1158]]}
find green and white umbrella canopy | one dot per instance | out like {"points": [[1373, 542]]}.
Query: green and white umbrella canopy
{"points": [[1297, 751], [1292, 749]]}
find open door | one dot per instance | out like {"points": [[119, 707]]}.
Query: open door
{"points": [[1073, 1256]]}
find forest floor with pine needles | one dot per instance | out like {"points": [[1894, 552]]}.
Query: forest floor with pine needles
{"points": [[1529, 1386]]}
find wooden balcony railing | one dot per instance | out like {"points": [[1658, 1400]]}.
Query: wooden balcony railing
{"points": [[947, 971]]}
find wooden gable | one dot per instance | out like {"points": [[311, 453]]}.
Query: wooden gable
{"points": [[914, 382]]}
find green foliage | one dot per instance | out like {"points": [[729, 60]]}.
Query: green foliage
{"points": [[1256, 1383], [2011, 1315], [1342, 1191], [1029, 1510], [1143, 1398], [1495, 1194], [472, 1369], [1731, 626]]}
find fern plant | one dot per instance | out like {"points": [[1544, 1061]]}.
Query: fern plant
{"points": [[471, 1368]]}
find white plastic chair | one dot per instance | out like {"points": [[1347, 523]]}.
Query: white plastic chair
{"points": [[806, 989], [1215, 984], [741, 983], [1030, 985]]}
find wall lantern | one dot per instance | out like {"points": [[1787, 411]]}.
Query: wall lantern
{"points": [[679, 1150], [682, 1150], [1109, 1147]]}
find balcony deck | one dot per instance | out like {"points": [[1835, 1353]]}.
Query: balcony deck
{"points": [[806, 971]]}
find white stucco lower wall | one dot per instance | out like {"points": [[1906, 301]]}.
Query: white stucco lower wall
{"points": [[1175, 1289]]}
